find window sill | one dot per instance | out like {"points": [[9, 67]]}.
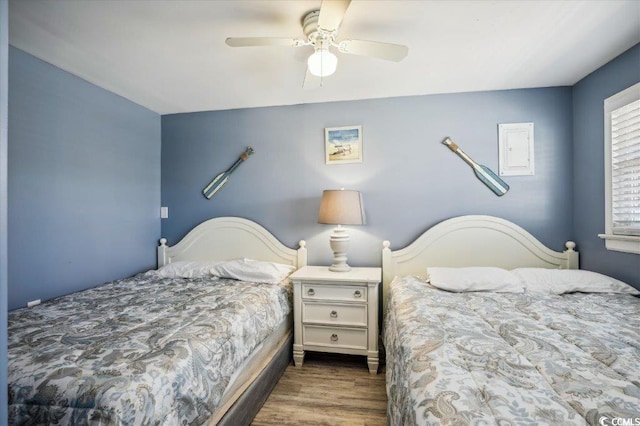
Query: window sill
{"points": [[623, 243]]}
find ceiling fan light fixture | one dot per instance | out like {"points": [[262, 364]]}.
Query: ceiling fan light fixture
{"points": [[322, 63]]}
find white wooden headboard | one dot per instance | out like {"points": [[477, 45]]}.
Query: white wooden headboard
{"points": [[226, 238], [473, 241]]}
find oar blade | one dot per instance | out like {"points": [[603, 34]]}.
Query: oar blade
{"points": [[491, 180], [215, 185]]}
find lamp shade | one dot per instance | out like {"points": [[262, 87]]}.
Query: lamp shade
{"points": [[341, 207]]}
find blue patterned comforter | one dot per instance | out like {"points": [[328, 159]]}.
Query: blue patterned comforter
{"points": [[143, 350], [505, 358]]}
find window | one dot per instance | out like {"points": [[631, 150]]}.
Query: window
{"points": [[622, 170]]}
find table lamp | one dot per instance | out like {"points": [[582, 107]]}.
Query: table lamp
{"points": [[340, 207]]}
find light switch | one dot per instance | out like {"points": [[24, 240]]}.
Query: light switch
{"points": [[164, 212]]}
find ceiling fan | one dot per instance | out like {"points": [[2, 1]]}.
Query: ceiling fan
{"points": [[320, 28]]}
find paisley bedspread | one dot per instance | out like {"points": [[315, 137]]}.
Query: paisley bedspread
{"points": [[506, 358], [143, 350]]}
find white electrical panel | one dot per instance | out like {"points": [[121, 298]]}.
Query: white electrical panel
{"points": [[516, 149]]}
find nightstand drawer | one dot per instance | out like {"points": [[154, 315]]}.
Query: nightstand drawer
{"points": [[352, 314], [334, 292], [334, 337]]}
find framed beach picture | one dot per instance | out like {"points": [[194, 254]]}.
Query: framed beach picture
{"points": [[343, 144]]}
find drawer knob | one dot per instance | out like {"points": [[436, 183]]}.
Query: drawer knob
{"points": [[333, 314], [334, 337], [357, 294], [311, 292]]}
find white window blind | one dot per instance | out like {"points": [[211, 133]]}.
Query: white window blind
{"points": [[625, 169], [622, 170]]}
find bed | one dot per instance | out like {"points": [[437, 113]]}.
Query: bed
{"points": [[184, 344], [563, 348]]}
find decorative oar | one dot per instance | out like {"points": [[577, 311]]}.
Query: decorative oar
{"points": [[497, 185], [220, 180]]}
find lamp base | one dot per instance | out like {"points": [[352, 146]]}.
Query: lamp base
{"points": [[340, 268], [339, 242]]}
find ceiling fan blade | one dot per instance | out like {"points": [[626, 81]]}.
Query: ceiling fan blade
{"points": [[376, 49], [311, 81], [263, 41], [331, 14]]}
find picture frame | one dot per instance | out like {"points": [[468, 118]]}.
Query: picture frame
{"points": [[343, 145]]}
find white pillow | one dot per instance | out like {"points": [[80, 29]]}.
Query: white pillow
{"points": [[560, 281], [253, 270], [185, 269], [480, 278]]}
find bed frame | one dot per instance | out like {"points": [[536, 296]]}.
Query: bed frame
{"points": [[227, 238], [474, 240]]}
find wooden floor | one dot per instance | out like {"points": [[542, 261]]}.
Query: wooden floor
{"points": [[327, 390]]}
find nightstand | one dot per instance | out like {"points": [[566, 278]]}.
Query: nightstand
{"points": [[336, 312]]}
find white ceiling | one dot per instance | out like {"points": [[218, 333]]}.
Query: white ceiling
{"points": [[171, 56]]}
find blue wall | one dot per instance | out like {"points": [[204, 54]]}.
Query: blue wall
{"points": [[4, 70], [409, 180], [84, 183], [588, 171]]}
